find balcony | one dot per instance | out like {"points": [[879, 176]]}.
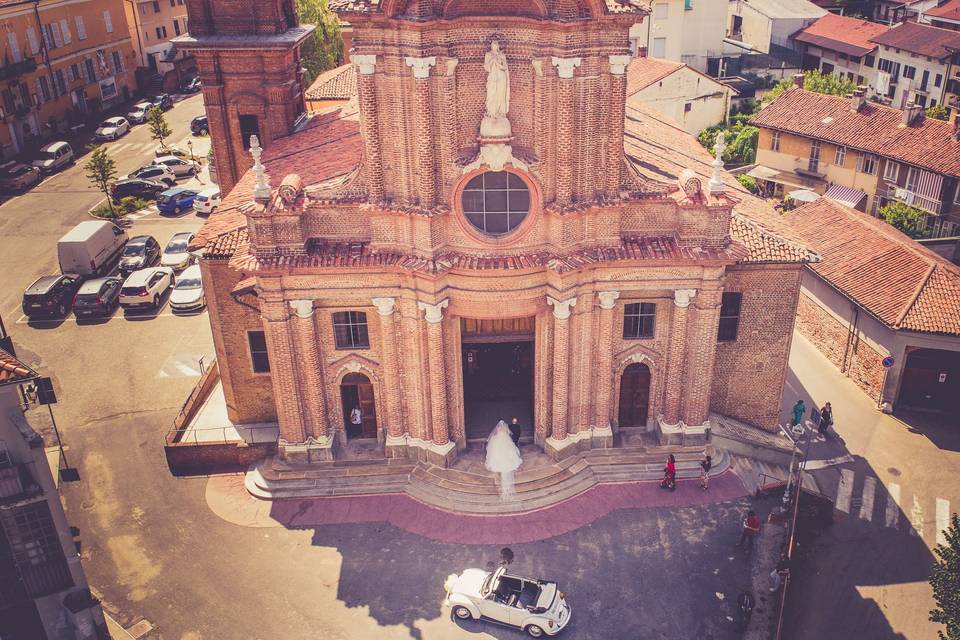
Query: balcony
{"points": [[914, 199], [17, 484], [16, 69]]}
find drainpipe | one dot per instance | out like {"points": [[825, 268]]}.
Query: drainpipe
{"points": [[133, 7], [851, 333]]}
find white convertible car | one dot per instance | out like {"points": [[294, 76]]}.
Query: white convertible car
{"points": [[536, 606]]}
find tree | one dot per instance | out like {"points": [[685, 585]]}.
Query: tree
{"points": [[749, 182], [909, 220], [324, 48], [101, 170], [938, 112], [159, 129], [945, 580], [817, 82]]}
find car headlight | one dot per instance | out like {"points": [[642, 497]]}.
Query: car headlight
{"points": [[449, 582]]}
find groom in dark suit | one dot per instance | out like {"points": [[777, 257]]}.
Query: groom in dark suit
{"points": [[515, 431]]}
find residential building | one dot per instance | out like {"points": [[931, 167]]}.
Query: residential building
{"points": [[687, 31], [882, 308], [913, 63], [882, 154], [43, 589], [766, 25], [895, 11], [63, 62], [436, 252], [686, 96], [841, 45], [153, 25], [332, 88], [946, 16]]}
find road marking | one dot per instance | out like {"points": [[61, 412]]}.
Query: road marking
{"points": [[892, 517], [813, 465], [119, 315], [916, 518], [845, 490], [869, 490], [943, 520]]}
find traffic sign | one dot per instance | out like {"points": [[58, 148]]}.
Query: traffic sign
{"points": [[888, 362]]}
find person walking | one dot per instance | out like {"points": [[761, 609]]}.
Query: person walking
{"points": [[515, 430], [749, 530], [826, 419], [669, 474], [798, 410], [705, 466]]}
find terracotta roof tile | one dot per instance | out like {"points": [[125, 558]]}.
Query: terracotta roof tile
{"points": [[922, 39], [903, 284], [926, 143], [643, 72], [12, 371], [841, 33], [335, 84], [950, 11]]}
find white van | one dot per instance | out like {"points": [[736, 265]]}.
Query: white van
{"points": [[91, 248], [53, 157]]}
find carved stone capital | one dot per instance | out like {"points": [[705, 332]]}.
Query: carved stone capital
{"points": [[561, 308], [421, 66], [618, 64], [366, 63], [301, 308], [608, 299], [451, 66], [565, 66], [385, 306], [538, 67], [433, 313], [682, 297]]}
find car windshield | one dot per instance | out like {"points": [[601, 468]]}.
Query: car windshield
{"points": [[18, 171], [49, 155], [132, 290], [87, 297], [134, 250], [179, 245], [188, 283], [106, 123], [167, 198]]}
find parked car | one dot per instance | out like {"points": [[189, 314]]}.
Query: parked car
{"points": [[154, 172], [50, 296], [140, 252], [192, 86], [111, 129], [179, 166], [145, 288], [536, 606], [138, 187], [176, 200], [98, 297], [199, 126], [91, 248], [53, 157], [138, 114], [18, 177], [162, 100], [175, 254], [187, 294], [207, 200], [169, 150]]}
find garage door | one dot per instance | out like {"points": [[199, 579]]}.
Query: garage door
{"points": [[931, 380]]}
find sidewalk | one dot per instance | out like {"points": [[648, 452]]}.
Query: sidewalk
{"points": [[116, 631]]}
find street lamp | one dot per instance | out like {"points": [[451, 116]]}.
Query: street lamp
{"points": [[190, 147]]}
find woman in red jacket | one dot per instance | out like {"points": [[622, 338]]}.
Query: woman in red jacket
{"points": [[670, 474]]}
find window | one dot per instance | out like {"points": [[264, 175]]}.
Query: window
{"points": [[913, 177], [61, 82], [638, 320], [176, 25], [814, 163], [937, 80], [661, 11], [108, 21], [350, 330], [57, 37], [827, 68], [729, 317], [32, 40], [867, 164], [249, 126], [43, 89], [687, 106], [909, 72], [869, 60], [840, 157], [65, 31], [925, 80], [14, 46], [81, 31], [496, 202], [659, 47], [891, 171], [74, 72], [775, 141], [47, 36], [117, 62], [173, 3], [91, 74], [159, 34], [156, 6], [143, 9], [258, 351]]}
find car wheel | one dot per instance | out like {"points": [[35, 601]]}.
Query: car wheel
{"points": [[462, 613], [534, 631], [156, 301], [176, 209]]}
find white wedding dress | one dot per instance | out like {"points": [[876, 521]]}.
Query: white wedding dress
{"points": [[503, 457]]}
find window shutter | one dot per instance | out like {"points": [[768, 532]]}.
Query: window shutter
{"points": [[65, 31], [107, 21], [55, 30], [39, 92], [32, 39], [81, 32], [14, 46]]}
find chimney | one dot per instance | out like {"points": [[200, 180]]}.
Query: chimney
{"points": [[857, 98], [798, 79], [910, 113], [955, 122]]}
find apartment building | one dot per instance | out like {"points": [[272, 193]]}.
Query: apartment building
{"points": [[862, 154], [153, 23], [690, 98], [946, 16], [895, 11], [687, 31], [766, 25], [914, 62], [62, 63], [841, 45]]}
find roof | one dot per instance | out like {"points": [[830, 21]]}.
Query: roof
{"points": [[12, 371], [840, 33], [786, 9], [927, 143], [922, 39], [335, 84], [644, 72], [373, 6], [948, 11], [900, 282]]}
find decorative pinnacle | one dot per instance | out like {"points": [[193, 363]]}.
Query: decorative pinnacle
{"points": [[716, 180], [262, 189]]}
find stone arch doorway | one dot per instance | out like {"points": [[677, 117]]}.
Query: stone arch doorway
{"points": [[634, 396], [356, 391]]}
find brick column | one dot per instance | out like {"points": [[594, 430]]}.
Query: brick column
{"points": [[604, 377], [283, 375], [389, 361], [433, 314], [565, 123], [701, 354], [370, 130], [310, 383], [614, 125], [675, 356], [561, 360], [423, 123]]}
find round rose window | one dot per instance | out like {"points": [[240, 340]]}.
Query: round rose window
{"points": [[496, 202]]}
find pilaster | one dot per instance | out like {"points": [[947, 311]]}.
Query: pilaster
{"points": [[370, 130], [565, 126], [386, 309], [283, 374], [701, 355], [433, 315], [676, 356], [614, 124], [561, 358], [423, 123], [607, 301], [311, 387]]}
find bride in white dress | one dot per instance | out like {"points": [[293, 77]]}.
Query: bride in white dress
{"points": [[503, 457]]}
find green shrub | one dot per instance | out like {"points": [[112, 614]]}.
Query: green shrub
{"points": [[749, 182], [130, 204]]}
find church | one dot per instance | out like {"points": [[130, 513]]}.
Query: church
{"points": [[484, 231]]}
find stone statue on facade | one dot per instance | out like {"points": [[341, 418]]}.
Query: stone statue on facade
{"points": [[495, 123]]}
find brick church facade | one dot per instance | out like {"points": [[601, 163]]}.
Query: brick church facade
{"points": [[484, 231]]}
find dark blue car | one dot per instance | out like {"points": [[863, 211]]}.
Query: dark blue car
{"points": [[176, 200]]}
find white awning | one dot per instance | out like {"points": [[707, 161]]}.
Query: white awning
{"points": [[845, 195], [762, 172], [804, 195]]}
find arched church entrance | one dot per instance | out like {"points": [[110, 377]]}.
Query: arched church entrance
{"points": [[634, 396], [498, 367], [359, 408]]}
